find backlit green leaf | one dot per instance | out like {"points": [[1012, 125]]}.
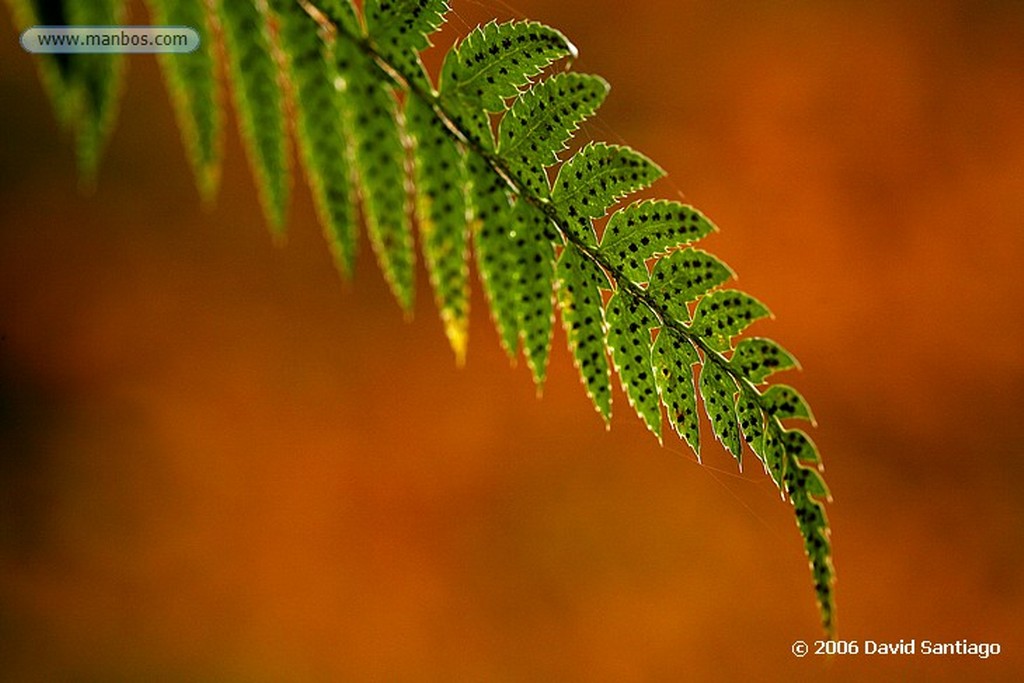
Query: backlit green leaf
{"points": [[400, 28], [674, 359], [579, 283], [718, 390], [372, 116], [757, 358], [321, 131], [684, 275], [258, 103], [491, 209], [594, 179], [647, 228], [441, 211], [751, 420], [723, 314], [800, 447], [93, 84], [782, 402], [374, 133], [192, 80], [802, 484], [341, 13], [533, 260], [490, 65], [629, 341], [540, 122]]}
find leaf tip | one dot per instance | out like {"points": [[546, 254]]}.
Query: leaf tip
{"points": [[457, 332]]}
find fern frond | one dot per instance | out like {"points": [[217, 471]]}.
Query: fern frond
{"points": [[806, 488], [800, 447], [751, 420], [97, 79], [668, 328], [258, 103], [195, 91]]}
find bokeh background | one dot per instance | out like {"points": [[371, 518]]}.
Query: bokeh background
{"points": [[218, 462]]}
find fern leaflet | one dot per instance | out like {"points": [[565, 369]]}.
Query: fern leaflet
{"points": [[321, 129], [579, 283], [492, 64], [442, 214], [192, 81], [259, 102], [84, 88], [372, 113]]}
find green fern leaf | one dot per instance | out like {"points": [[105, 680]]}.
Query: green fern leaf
{"points": [[441, 186], [195, 91], [757, 358], [320, 127], [811, 482], [533, 258], [813, 525], [492, 219], [348, 70], [372, 116], [682, 277], [719, 390], [53, 68], [490, 65], [258, 103], [722, 315], [800, 447], [400, 28], [579, 296], [593, 180], [93, 84], [773, 451], [629, 341], [540, 122], [647, 228], [674, 359], [751, 421], [782, 402]]}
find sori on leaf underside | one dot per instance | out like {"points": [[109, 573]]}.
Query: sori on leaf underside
{"points": [[470, 161]]}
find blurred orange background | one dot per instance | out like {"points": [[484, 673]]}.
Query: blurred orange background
{"points": [[221, 463]]}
